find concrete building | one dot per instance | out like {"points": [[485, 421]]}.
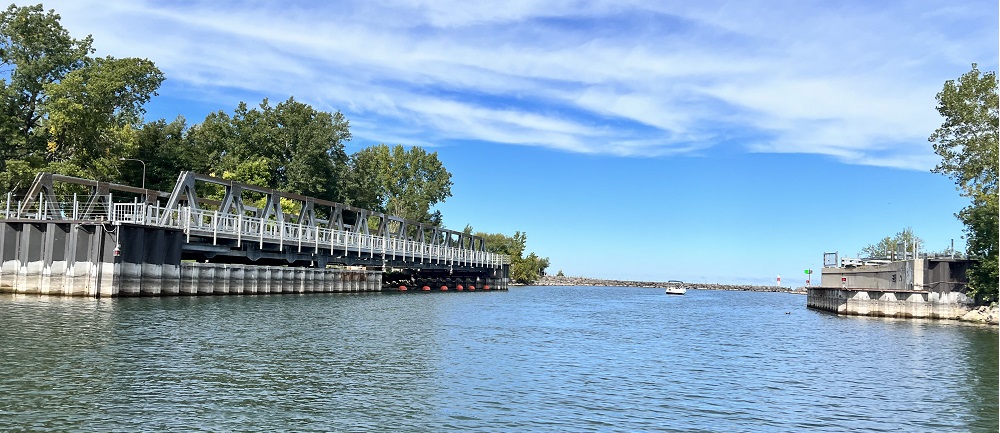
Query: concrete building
{"points": [[915, 288]]}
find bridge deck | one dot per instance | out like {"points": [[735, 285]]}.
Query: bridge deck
{"points": [[210, 228], [302, 238]]}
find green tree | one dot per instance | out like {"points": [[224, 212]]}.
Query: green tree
{"points": [[289, 147], [500, 243], [94, 113], [527, 269], [368, 179], [968, 143], [60, 109], [35, 51], [889, 246], [397, 181], [165, 150], [523, 269], [313, 144]]}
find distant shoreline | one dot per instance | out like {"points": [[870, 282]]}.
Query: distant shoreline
{"points": [[549, 280]]}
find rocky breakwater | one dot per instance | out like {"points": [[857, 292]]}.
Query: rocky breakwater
{"points": [[986, 314], [581, 281]]}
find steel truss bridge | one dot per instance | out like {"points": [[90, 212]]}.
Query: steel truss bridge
{"points": [[256, 225]]}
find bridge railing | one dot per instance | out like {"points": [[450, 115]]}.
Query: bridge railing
{"points": [[69, 207], [244, 229], [241, 228]]}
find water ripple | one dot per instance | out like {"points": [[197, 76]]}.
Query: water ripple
{"points": [[531, 359]]}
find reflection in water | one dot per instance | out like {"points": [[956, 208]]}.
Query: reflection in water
{"points": [[982, 376], [529, 359]]}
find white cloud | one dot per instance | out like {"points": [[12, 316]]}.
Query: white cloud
{"points": [[851, 80]]}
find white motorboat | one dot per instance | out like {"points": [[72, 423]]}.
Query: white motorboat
{"points": [[675, 287]]}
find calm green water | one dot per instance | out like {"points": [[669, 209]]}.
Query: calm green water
{"points": [[531, 359]]}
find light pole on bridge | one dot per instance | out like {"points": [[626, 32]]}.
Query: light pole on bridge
{"points": [[143, 169]]}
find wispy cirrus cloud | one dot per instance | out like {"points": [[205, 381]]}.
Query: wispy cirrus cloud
{"points": [[851, 80]]}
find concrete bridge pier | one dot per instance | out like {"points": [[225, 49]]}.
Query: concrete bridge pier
{"points": [[65, 258]]}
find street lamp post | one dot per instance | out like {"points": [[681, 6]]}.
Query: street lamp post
{"points": [[143, 169]]}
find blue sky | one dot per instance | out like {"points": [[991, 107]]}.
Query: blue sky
{"points": [[706, 141]]}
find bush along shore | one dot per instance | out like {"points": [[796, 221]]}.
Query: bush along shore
{"points": [[549, 280]]}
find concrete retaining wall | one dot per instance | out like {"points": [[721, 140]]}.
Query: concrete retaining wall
{"points": [[69, 259], [230, 279], [888, 303]]}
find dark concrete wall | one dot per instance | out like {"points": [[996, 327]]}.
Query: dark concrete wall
{"points": [[57, 258]]}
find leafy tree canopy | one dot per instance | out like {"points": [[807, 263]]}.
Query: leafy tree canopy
{"points": [[60, 109], [527, 270], [165, 150], [35, 51], [523, 269], [968, 143], [398, 181], [887, 246], [290, 147], [94, 112]]}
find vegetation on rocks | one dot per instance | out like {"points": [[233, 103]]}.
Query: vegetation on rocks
{"points": [[523, 269]]}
